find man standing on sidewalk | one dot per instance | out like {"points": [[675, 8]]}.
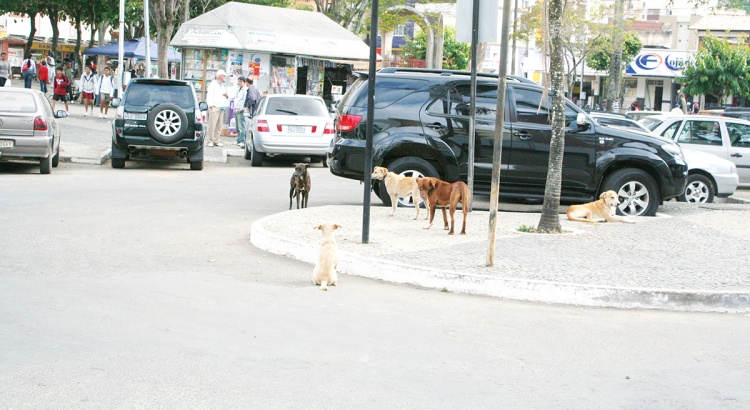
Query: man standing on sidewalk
{"points": [[217, 100], [60, 85], [87, 87], [239, 111], [253, 97], [106, 87], [4, 69]]}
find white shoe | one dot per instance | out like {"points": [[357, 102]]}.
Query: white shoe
{"points": [[210, 144], [101, 115], [218, 144], [86, 114], [241, 145]]}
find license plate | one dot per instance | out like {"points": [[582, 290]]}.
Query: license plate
{"points": [[295, 128], [136, 116], [6, 143]]}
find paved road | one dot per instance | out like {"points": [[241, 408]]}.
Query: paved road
{"points": [[139, 288]]}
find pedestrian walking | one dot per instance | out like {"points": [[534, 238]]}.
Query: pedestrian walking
{"points": [[634, 106], [60, 85], [87, 87], [28, 71], [68, 71], [217, 100], [4, 69], [239, 111], [106, 87], [616, 105], [43, 77]]}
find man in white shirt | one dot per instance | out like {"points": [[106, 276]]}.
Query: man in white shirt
{"points": [[239, 111], [106, 87], [217, 100]]}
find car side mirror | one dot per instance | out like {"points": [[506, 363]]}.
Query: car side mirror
{"points": [[583, 122], [61, 114], [203, 106], [115, 102]]}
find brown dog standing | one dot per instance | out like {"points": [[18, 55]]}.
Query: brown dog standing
{"points": [[440, 193], [300, 185]]}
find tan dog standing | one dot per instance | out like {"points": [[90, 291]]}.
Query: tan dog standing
{"points": [[324, 273], [440, 193], [398, 186], [605, 208]]}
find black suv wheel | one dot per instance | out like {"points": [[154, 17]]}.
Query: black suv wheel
{"points": [[409, 167]]}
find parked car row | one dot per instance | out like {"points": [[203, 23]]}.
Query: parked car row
{"points": [[421, 122]]}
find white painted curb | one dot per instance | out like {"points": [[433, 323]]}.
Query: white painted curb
{"points": [[509, 288]]}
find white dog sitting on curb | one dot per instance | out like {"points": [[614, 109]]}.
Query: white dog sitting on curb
{"points": [[324, 273]]}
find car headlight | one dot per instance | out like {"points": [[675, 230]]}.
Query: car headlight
{"points": [[675, 150]]}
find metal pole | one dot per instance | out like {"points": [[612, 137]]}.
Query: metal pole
{"points": [[583, 67], [121, 48], [473, 97], [370, 115], [147, 31], [499, 128], [515, 25]]}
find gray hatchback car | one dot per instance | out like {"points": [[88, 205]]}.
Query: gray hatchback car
{"points": [[28, 128]]}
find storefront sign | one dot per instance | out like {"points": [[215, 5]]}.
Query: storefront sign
{"points": [[197, 37], [658, 63], [66, 48]]}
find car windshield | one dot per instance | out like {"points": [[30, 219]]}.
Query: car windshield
{"points": [[151, 95], [17, 102], [296, 106], [650, 122]]}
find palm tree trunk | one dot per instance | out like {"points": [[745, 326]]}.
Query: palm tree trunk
{"points": [[550, 219]]}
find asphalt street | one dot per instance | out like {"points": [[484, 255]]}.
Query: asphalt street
{"points": [[140, 288]]}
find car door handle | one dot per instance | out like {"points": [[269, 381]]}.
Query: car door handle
{"points": [[522, 135], [436, 126], [736, 155]]}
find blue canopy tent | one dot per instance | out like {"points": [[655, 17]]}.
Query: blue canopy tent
{"points": [[135, 48]]}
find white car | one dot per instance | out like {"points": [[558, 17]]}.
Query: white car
{"points": [[708, 174], [725, 137], [289, 125]]}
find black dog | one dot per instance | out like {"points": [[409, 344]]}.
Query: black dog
{"points": [[300, 185]]}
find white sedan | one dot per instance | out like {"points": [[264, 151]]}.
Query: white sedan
{"points": [[725, 137], [289, 125], [708, 174]]}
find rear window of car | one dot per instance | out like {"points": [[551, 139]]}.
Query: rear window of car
{"points": [[17, 102], [387, 91], [151, 95], [296, 106]]}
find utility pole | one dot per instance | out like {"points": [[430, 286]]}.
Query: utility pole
{"points": [[515, 27], [615, 63]]}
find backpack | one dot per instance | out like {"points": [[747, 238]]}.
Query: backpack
{"points": [[26, 66]]}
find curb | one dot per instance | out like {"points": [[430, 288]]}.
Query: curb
{"points": [[91, 161], [507, 288]]}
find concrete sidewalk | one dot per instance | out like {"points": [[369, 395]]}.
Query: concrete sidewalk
{"points": [[667, 262]]}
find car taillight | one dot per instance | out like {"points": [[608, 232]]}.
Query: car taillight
{"points": [[328, 129], [278, 127], [263, 126], [348, 122], [40, 124], [198, 116]]}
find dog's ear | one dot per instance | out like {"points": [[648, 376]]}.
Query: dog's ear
{"points": [[319, 227], [603, 194], [336, 226], [433, 183], [307, 166]]}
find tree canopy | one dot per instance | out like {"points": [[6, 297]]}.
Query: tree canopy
{"points": [[456, 55], [601, 50], [718, 68]]}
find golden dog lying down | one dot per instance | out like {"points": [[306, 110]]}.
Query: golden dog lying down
{"points": [[603, 208]]}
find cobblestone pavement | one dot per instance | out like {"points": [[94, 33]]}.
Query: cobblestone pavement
{"points": [[687, 247]]}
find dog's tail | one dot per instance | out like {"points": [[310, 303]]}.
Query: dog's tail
{"points": [[465, 197], [324, 285]]}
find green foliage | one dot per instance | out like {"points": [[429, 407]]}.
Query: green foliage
{"points": [[455, 54], [601, 50], [718, 68], [735, 4]]}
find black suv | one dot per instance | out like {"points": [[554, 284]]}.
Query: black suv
{"points": [[158, 119], [421, 127]]}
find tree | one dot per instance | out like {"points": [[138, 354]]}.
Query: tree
{"points": [[601, 51], [549, 221], [455, 54], [735, 4], [718, 68]]}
